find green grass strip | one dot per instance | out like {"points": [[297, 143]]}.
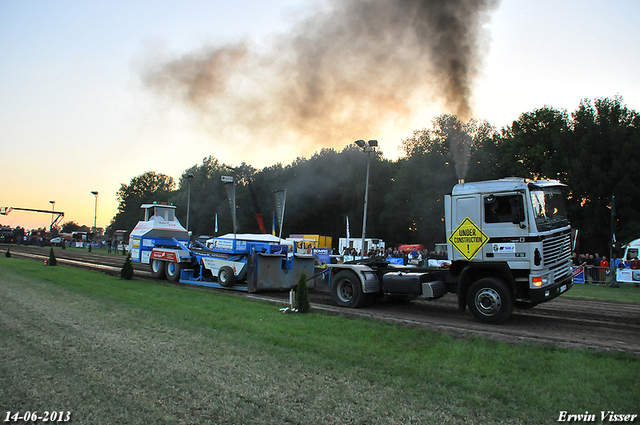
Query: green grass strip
{"points": [[328, 369], [626, 292]]}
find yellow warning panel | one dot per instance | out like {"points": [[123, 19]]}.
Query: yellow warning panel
{"points": [[468, 238]]}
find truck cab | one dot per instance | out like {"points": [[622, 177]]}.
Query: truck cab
{"points": [[523, 241]]}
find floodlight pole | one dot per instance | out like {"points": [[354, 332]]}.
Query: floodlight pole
{"points": [[95, 212], [189, 177], [53, 208], [372, 144]]}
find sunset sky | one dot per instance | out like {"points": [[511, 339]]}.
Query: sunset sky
{"points": [[95, 93]]}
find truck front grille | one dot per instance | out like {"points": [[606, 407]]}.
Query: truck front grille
{"points": [[557, 254]]}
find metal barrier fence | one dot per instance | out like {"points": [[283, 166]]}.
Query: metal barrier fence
{"points": [[605, 275], [593, 274]]}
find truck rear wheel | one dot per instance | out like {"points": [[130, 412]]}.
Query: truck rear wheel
{"points": [[346, 290], [173, 271], [157, 269], [226, 277], [490, 300]]}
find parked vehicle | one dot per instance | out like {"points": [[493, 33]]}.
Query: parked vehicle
{"points": [[57, 241]]}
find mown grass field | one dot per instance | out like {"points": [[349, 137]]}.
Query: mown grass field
{"points": [[133, 352]]}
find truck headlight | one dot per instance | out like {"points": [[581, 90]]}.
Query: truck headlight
{"points": [[539, 281]]}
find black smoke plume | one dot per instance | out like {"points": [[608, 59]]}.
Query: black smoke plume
{"points": [[342, 73]]}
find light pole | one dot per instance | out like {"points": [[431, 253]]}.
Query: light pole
{"points": [[371, 147], [189, 177], [53, 208], [95, 212]]}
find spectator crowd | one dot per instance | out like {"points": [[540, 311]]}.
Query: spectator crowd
{"points": [[418, 257], [595, 260]]}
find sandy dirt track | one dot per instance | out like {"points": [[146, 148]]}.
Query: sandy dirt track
{"points": [[564, 321]]}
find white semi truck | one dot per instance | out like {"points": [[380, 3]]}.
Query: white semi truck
{"points": [[509, 245]]}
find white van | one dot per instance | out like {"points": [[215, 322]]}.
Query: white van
{"points": [[630, 254]]}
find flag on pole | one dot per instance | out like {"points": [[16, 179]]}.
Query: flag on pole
{"points": [[281, 200], [348, 231], [273, 226]]}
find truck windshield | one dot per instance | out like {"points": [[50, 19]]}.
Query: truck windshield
{"points": [[548, 207]]}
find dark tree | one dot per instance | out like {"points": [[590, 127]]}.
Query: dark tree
{"points": [[208, 198], [126, 272], [594, 153], [302, 295], [537, 144], [435, 159], [604, 159], [52, 258], [69, 227], [145, 188]]}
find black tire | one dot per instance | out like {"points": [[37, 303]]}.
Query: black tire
{"points": [[157, 269], [490, 301], [226, 277], [346, 290], [173, 271]]}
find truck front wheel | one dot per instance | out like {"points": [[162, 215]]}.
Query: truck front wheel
{"points": [[490, 300], [157, 269], [346, 290], [173, 271]]}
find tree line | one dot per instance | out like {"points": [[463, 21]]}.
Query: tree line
{"points": [[595, 150]]}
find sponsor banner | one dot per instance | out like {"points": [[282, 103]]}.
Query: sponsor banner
{"points": [[214, 264], [164, 255], [323, 254], [278, 249], [438, 263], [578, 274], [628, 275], [222, 244], [503, 248], [394, 260]]}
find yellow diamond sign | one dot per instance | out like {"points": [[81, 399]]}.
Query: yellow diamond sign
{"points": [[468, 238]]}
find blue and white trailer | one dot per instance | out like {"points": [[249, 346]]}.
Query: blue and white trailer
{"points": [[247, 262]]}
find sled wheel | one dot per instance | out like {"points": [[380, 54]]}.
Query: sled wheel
{"points": [[226, 277]]}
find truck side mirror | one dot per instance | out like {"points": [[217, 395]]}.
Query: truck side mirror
{"points": [[517, 210]]}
